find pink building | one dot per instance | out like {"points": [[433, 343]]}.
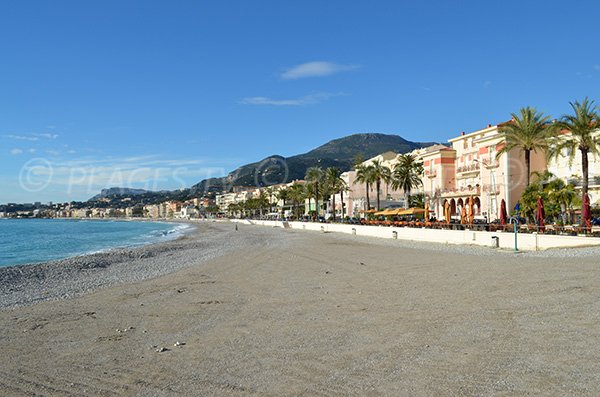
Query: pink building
{"points": [[469, 168]]}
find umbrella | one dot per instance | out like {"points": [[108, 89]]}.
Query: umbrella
{"points": [[427, 211], [463, 215], [447, 212], [541, 214], [471, 210], [503, 214], [587, 211]]}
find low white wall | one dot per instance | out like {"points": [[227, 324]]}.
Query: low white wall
{"points": [[525, 241]]}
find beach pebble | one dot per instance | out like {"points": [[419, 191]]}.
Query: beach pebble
{"points": [[179, 344], [162, 349]]}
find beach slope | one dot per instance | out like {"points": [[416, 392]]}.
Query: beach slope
{"points": [[282, 312]]}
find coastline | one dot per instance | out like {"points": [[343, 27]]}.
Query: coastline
{"points": [[271, 311], [169, 235], [77, 275]]}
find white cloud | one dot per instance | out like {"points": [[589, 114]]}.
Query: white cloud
{"points": [[47, 136], [31, 137], [597, 67], [32, 151], [22, 137], [16, 151], [52, 152], [302, 101], [316, 69]]}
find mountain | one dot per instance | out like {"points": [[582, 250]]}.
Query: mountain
{"points": [[118, 191], [277, 169], [336, 153]]}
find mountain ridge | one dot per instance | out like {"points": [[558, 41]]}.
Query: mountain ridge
{"points": [[276, 169]]}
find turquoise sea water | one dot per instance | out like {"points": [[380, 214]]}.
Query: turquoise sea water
{"points": [[39, 240]]}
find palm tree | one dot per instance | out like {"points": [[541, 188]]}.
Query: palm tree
{"points": [[296, 194], [314, 176], [335, 184], [283, 194], [407, 175], [562, 194], [269, 193], [529, 132], [380, 173], [364, 175], [581, 127], [309, 193]]}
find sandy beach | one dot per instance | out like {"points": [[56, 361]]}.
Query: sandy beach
{"points": [[265, 311]]}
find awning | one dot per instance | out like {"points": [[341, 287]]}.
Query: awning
{"points": [[367, 211], [388, 212], [411, 211]]}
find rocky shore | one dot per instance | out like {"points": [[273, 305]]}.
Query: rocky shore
{"points": [[271, 311], [75, 276]]}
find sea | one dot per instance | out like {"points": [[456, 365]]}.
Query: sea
{"points": [[27, 241]]}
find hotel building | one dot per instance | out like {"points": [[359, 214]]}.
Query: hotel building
{"points": [[469, 168]]}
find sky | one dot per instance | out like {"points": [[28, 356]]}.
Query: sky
{"points": [[162, 94]]}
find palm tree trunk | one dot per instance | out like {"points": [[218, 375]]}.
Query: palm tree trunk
{"points": [[528, 164], [342, 200], [368, 201], [585, 182], [333, 204], [378, 185], [407, 199], [317, 199]]}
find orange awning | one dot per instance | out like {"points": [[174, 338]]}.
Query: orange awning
{"points": [[411, 211]]}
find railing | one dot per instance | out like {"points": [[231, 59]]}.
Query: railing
{"points": [[461, 190], [491, 189], [577, 182], [467, 168], [490, 163]]}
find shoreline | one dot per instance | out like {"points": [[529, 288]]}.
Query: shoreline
{"points": [[271, 311], [183, 233], [81, 274]]}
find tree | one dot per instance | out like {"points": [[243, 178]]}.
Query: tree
{"points": [[528, 131], [335, 184], [296, 194], [563, 195], [407, 175], [582, 127], [283, 194], [364, 175], [379, 173], [314, 176], [269, 193]]}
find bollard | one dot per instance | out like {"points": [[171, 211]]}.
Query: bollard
{"points": [[395, 235], [354, 231], [323, 229], [495, 242]]}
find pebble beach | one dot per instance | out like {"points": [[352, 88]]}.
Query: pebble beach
{"points": [[268, 311]]}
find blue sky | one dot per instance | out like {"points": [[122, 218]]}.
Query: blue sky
{"points": [[160, 94]]}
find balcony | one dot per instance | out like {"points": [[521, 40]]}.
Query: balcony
{"points": [[490, 163], [431, 173], [468, 169], [577, 182], [488, 188], [461, 191]]}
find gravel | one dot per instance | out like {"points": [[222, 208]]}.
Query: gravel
{"points": [[59, 279]]}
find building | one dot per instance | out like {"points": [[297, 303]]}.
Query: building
{"points": [[571, 172], [355, 199], [469, 168]]}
